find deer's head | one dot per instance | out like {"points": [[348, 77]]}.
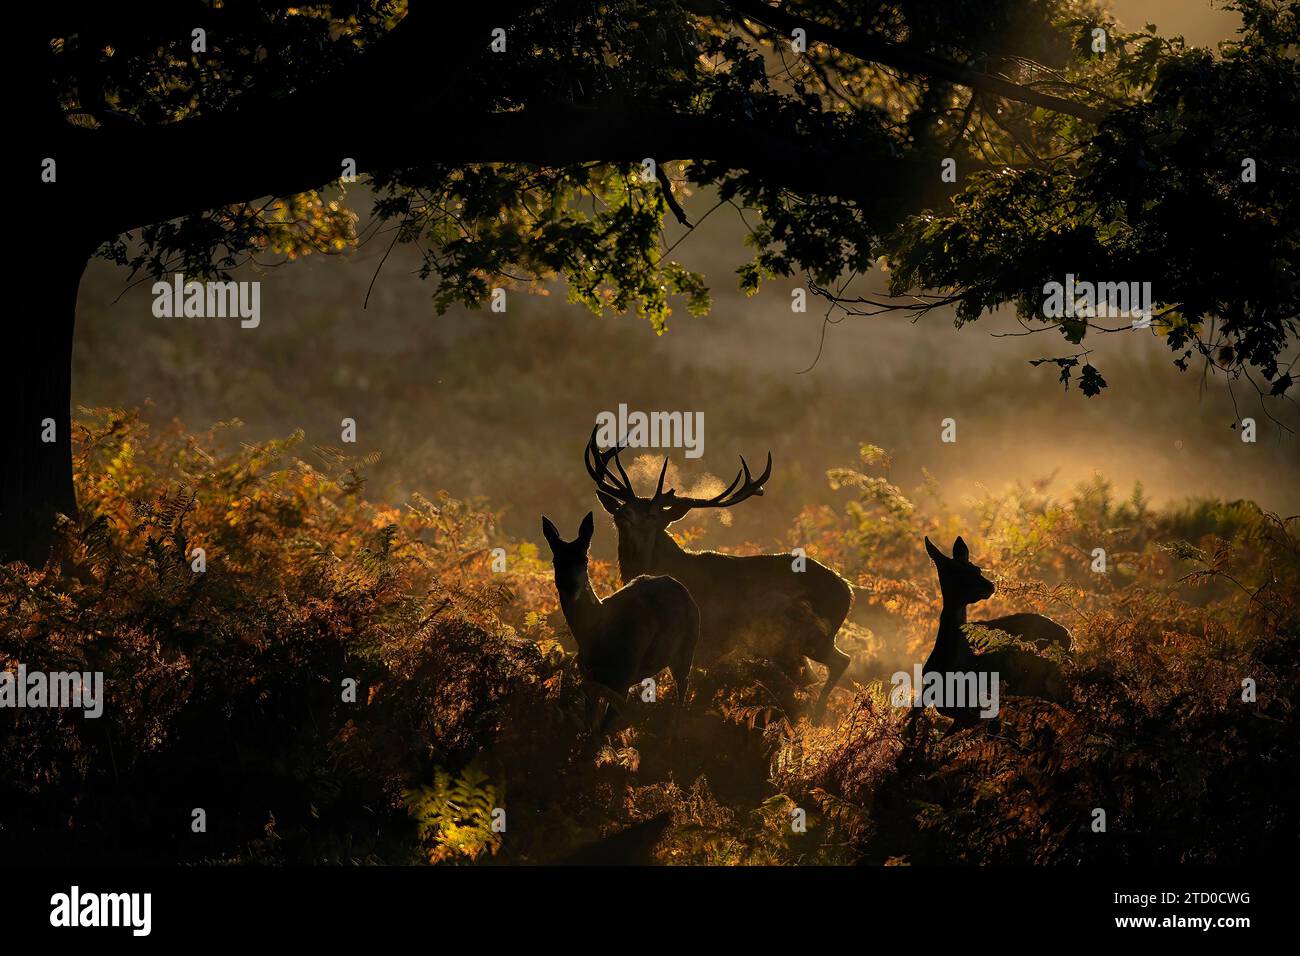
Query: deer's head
{"points": [[961, 582], [570, 557], [641, 520]]}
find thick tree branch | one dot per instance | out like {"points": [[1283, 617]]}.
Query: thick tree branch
{"points": [[137, 175], [398, 135], [373, 111]]}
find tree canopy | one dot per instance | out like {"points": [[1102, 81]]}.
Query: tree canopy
{"points": [[521, 155]]}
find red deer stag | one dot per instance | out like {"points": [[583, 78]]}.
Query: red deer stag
{"points": [[759, 602], [1024, 673], [647, 625]]}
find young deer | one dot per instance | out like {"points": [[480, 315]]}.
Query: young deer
{"points": [[645, 626], [754, 601], [1024, 674]]}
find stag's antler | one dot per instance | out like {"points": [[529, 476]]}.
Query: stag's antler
{"points": [[619, 487], [597, 463], [743, 486]]}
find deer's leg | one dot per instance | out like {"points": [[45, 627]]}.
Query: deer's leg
{"points": [[611, 707], [837, 663], [593, 710], [681, 672]]}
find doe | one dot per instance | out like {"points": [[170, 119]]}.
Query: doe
{"points": [[1024, 673], [650, 624]]}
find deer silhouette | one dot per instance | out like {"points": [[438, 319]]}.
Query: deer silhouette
{"points": [[650, 624], [759, 602], [1024, 673]]}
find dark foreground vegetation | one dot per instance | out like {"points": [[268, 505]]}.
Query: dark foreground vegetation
{"points": [[225, 689]]}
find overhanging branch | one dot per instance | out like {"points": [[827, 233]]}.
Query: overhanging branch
{"points": [[402, 136], [373, 112], [875, 50]]}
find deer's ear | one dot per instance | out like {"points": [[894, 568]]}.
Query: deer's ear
{"points": [[552, 536], [609, 502], [935, 554], [586, 529], [959, 550]]}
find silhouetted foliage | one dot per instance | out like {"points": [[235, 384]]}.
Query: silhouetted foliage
{"points": [[225, 688]]}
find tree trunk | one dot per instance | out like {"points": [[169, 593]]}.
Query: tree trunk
{"points": [[36, 476]]}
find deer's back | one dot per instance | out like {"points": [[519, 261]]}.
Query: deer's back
{"points": [[1025, 674], [650, 623], [759, 600], [657, 598], [1034, 628], [1020, 672]]}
